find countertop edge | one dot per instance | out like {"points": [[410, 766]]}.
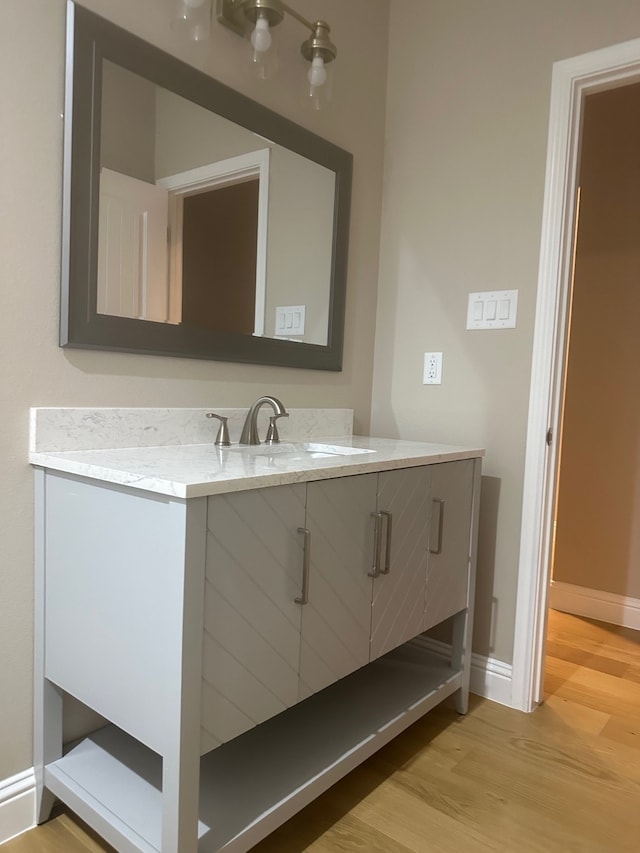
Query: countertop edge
{"points": [[387, 457]]}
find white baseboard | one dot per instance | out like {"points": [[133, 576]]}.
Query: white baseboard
{"points": [[490, 678], [595, 604], [17, 804]]}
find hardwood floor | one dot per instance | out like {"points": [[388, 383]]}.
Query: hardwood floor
{"points": [[565, 778]]}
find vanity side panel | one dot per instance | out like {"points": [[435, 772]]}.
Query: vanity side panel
{"points": [[114, 598]]}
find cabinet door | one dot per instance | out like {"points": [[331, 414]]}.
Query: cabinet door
{"points": [[449, 543], [399, 589], [337, 618], [252, 622]]}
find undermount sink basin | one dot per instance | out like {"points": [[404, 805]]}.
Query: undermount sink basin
{"points": [[288, 450]]}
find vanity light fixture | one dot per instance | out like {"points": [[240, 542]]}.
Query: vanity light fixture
{"points": [[257, 20]]}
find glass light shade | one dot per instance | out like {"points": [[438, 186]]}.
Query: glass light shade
{"points": [[317, 74], [318, 83], [192, 19], [261, 37], [263, 49]]}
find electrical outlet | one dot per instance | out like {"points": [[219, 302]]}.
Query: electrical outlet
{"points": [[432, 368]]}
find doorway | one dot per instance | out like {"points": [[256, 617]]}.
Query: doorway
{"points": [[595, 569], [572, 81]]}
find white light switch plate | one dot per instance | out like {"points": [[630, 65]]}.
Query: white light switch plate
{"points": [[290, 320], [492, 309]]}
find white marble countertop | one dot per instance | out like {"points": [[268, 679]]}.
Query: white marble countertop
{"points": [[194, 470]]}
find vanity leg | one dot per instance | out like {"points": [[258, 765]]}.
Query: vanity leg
{"points": [[461, 658], [47, 742], [463, 622], [180, 798], [181, 757], [47, 722]]}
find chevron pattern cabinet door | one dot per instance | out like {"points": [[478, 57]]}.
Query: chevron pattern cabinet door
{"points": [[399, 596], [336, 621], [251, 622], [448, 572]]}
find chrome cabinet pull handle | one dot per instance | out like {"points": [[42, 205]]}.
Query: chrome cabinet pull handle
{"points": [[387, 557], [377, 550], [306, 566], [440, 503]]}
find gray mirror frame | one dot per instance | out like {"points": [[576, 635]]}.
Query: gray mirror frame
{"points": [[90, 39]]}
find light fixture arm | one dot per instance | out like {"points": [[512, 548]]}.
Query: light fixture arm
{"points": [[235, 14], [297, 16]]}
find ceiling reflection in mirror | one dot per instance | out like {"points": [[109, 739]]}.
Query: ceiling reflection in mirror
{"points": [[195, 221], [202, 221]]}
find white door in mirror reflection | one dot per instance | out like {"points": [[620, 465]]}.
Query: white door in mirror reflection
{"points": [[133, 276]]}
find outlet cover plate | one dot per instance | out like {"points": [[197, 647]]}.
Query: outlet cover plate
{"points": [[432, 374]]}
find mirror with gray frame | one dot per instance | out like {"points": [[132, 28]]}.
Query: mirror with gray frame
{"points": [[197, 223]]}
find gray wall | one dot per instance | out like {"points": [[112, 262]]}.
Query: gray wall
{"points": [[35, 372], [467, 120]]}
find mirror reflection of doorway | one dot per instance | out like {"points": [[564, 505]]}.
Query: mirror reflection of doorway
{"points": [[187, 255], [224, 257], [219, 231]]}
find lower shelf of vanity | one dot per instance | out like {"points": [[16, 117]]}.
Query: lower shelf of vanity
{"points": [[251, 785]]}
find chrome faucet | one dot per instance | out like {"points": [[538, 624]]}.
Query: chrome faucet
{"points": [[250, 428]]}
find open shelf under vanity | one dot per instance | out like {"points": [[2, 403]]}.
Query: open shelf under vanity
{"points": [[251, 784]]}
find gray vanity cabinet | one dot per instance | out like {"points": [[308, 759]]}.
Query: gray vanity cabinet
{"points": [[196, 626]]}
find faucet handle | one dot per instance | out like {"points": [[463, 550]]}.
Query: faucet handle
{"points": [[272, 432], [222, 439]]}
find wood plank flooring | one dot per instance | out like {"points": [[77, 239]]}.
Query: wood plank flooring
{"points": [[565, 778]]}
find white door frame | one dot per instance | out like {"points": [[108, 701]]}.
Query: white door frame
{"points": [[571, 80]]}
